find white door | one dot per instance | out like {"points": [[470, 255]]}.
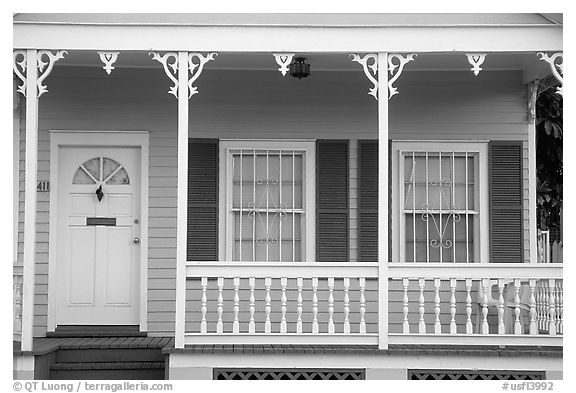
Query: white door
{"points": [[98, 236]]}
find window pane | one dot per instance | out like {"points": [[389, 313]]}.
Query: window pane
{"points": [[120, 177], [93, 167], [81, 177], [108, 167]]}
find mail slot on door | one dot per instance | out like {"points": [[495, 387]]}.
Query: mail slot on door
{"points": [[105, 221]]}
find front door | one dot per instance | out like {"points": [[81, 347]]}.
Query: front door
{"points": [[98, 236]]}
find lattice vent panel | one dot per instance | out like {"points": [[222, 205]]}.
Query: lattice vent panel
{"points": [[474, 375], [288, 374]]}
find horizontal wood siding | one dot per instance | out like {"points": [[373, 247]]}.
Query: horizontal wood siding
{"points": [[254, 104]]}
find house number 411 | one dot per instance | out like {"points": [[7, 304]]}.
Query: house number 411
{"points": [[43, 186]]}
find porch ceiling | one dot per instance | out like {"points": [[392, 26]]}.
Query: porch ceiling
{"points": [[526, 62]]}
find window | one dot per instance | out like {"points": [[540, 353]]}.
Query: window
{"points": [[440, 200], [101, 169], [268, 201]]}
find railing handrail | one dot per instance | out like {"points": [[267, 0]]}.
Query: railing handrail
{"points": [[475, 270], [281, 269]]}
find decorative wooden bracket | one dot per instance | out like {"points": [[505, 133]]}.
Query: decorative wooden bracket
{"points": [[533, 95], [20, 74], [170, 68], [391, 67], [197, 68], [556, 67], [108, 58], [370, 66], [283, 60], [170, 63], [43, 72], [476, 60]]}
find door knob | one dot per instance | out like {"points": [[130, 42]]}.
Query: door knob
{"points": [[136, 240]]}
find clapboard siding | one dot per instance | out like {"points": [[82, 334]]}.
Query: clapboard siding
{"points": [[256, 104]]}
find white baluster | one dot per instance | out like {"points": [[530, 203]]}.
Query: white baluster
{"points": [[219, 324], [453, 327], [517, 325], [315, 305], [545, 319], [421, 309], [236, 324], [346, 305], [560, 307], [405, 310], [501, 326], [469, 327], [484, 285], [552, 307], [437, 325], [268, 323], [533, 325], [252, 324], [204, 307], [362, 283], [283, 283], [300, 283], [331, 305]]}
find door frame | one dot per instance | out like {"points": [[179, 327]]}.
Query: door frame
{"points": [[88, 138]]}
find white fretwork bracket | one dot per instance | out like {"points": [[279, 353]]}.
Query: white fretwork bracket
{"points": [[170, 63], [370, 66], [20, 69], [108, 58], [402, 61], [283, 60], [196, 62], [557, 67], [476, 60], [45, 68]]}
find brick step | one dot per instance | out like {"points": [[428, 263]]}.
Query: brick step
{"points": [[108, 370]]}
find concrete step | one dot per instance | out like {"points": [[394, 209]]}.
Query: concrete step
{"points": [[109, 355]]}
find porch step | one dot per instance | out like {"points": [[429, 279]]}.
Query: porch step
{"points": [[108, 370], [97, 331]]}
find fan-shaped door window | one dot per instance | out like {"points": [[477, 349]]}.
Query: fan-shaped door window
{"points": [[101, 170]]}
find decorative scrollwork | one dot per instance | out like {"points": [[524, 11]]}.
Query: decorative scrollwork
{"points": [[283, 60], [402, 61], [556, 67], [20, 74], [197, 68], [476, 60], [44, 71], [170, 68], [108, 58], [441, 242], [370, 66]]}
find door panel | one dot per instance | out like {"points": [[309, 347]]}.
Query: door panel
{"points": [[98, 262]]}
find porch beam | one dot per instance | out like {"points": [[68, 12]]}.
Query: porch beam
{"points": [[383, 200], [29, 268], [182, 202], [292, 39]]}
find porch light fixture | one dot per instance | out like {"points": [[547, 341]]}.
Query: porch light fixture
{"points": [[299, 68]]}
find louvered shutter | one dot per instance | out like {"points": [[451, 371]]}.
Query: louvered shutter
{"points": [[506, 243], [202, 241], [368, 201], [332, 210]]}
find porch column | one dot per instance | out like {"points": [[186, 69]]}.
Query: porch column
{"points": [[29, 271], [532, 219], [182, 209], [383, 200]]}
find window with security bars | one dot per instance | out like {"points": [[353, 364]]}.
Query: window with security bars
{"points": [[289, 374], [442, 202], [268, 202]]}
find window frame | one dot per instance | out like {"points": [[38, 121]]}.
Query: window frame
{"points": [[481, 237], [226, 217]]}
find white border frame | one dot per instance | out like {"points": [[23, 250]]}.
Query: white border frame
{"points": [[308, 147], [58, 139], [474, 146]]}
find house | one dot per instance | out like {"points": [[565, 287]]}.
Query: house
{"points": [[207, 210]]}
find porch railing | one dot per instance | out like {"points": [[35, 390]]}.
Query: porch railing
{"points": [[17, 285], [337, 303]]}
